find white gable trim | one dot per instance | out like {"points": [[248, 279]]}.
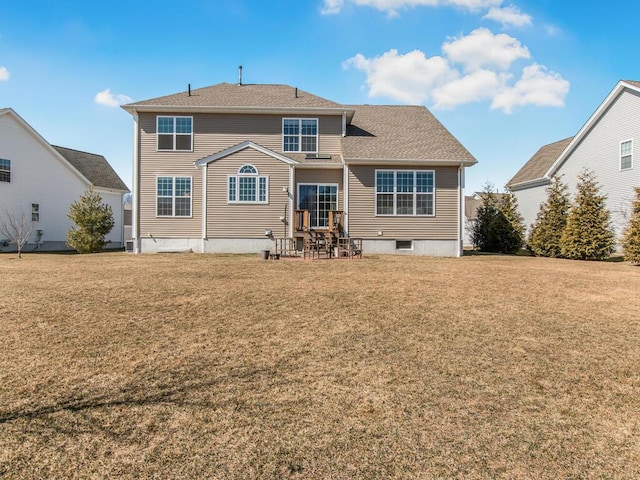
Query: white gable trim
{"points": [[586, 128], [241, 146], [40, 139]]}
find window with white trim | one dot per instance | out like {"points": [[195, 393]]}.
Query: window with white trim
{"points": [[173, 197], [5, 170], [35, 212], [248, 186], [300, 135], [405, 192], [175, 133], [626, 155]]}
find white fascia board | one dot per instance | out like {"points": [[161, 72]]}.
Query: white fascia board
{"points": [[409, 161], [245, 110], [110, 190], [595, 117], [241, 146], [529, 184]]}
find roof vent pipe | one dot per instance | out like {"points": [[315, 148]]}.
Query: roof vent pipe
{"points": [[296, 92], [189, 88], [240, 75]]}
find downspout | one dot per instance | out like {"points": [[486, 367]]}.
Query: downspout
{"points": [[345, 206], [344, 124], [291, 215], [204, 205], [461, 181], [135, 215]]}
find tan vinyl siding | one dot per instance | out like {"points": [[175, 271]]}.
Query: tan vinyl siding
{"points": [[212, 133], [362, 203], [324, 176], [228, 220]]}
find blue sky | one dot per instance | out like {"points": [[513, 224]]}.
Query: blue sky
{"points": [[504, 77]]}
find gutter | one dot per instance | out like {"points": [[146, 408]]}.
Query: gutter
{"points": [[538, 182], [409, 161], [133, 109]]}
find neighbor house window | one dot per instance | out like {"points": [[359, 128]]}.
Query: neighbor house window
{"points": [[405, 192], [5, 170], [248, 186], [626, 154], [35, 212], [300, 135], [175, 133], [173, 196]]}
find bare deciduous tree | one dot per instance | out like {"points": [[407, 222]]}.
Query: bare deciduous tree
{"points": [[16, 227]]}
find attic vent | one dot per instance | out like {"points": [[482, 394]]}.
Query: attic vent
{"points": [[317, 156]]}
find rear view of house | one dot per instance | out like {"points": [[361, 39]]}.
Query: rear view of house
{"points": [[41, 181], [232, 168]]}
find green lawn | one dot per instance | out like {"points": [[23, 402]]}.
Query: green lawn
{"points": [[230, 367]]}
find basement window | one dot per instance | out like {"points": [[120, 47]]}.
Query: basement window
{"points": [[404, 244]]}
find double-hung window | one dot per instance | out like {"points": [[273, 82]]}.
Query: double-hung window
{"points": [[300, 135], [173, 196], [248, 186], [175, 133], [35, 212], [626, 155], [405, 192], [5, 170]]}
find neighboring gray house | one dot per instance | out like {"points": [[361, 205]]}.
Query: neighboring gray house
{"points": [[42, 181], [232, 167], [606, 144]]}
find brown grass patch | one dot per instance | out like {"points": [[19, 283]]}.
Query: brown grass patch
{"points": [[230, 367]]}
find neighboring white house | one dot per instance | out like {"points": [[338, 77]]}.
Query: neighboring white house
{"points": [[606, 144], [42, 181]]}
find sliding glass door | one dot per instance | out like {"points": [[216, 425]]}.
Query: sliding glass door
{"points": [[318, 199]]}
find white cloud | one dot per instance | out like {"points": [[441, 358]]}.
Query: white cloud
{"points": [[536, 87], [475, 87], [469, 71], [109, 99], [393, 6], [552, 30], [508, 16], [4, 74], [407, 78], [482, 49], [331, 7]]}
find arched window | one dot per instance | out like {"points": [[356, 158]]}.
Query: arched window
{"points": [[247, 186]]}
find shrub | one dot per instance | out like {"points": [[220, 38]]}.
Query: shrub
{"points": [[546, 231], [631, 240], [93, 220]]}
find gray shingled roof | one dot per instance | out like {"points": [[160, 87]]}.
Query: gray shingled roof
{"points": [[538, 165], [245, 95], [396, 132], [633, 82], [94, 167], [471, 206]]}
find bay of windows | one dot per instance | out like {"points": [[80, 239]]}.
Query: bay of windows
{"points": [[247, 186], [175, 133], [173, 195], [300, 135], [405, 192]]}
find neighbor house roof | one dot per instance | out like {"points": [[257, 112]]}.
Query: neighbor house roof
{"points": [[546, 162], [384, 132], [471, 205], [541, 161], [94, 167], [245, 95]]}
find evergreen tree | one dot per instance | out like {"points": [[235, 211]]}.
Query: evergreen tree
{"points": [[544, 238], [512, 235], [631, 239], [93, 221], [498, 226], [588, 234]]}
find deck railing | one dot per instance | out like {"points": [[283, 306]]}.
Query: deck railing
{"points": [[335, 223]]}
